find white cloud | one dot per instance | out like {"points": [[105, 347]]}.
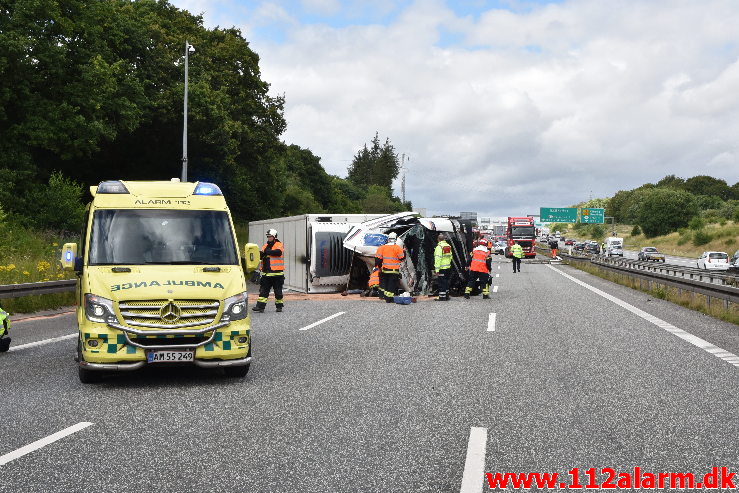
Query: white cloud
{"points": [[326, 7], [540, 108]]}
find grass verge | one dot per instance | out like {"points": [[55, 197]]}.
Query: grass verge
{"points": [[714, 307]]}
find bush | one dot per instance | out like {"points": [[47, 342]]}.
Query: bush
{"points": [[735, 217], [701, 238], [636, 230], [696, 223], [57, 206]]}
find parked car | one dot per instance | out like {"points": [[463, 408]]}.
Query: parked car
{"points": [[650, 253], [499, 247], [713, 261], [615, 251], [592, 247], [569, 241], [734, 261], [579, 246]]}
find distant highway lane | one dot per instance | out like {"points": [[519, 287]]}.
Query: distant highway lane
{"points": [[559, 371]]}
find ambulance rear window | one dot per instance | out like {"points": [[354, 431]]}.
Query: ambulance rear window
{"points": [[143, 236]]}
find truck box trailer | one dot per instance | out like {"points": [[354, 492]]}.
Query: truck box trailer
{"points": [[315, 258]]}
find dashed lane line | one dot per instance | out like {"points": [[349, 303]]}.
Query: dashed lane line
{"points": [[730, 358], [474, 465], [44, 342], [321, 321], [495, 289], [4, 459], [491, 322]]}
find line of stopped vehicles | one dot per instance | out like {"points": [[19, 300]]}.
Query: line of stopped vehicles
{"points": [[613, 247]]}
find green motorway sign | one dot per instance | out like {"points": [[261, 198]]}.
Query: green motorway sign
{"points": [[592, 216], [558, 214]]}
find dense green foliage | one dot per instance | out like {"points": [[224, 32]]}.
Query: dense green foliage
{"points": [[93, 90], [674, 203]]}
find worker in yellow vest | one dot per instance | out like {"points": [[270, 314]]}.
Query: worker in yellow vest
{"points": [[443, 266], [517, 255]]}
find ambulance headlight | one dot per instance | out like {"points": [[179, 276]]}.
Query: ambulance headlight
{"points": [[98, 309], [236, 307]]}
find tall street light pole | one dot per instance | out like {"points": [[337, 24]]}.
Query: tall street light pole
{"points": [[188, 49]]}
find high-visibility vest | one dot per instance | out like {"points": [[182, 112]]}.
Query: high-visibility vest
{"points": [[391, 255], [517, 250], [479, 260], [374, 279], [276, 264], [442, 256]]}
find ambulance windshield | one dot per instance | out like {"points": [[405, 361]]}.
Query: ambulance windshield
{"points": [[148, 236]]}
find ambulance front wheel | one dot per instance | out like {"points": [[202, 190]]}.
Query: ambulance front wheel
{"points": [[87, 376], [236, 371]]}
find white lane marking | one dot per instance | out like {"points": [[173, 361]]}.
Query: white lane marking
{"points": [[686, 336], [497, 275], [41, 343], [495, 289], [321, 321], [4, 459], [499, 267], [474, 466], [491, 323]]}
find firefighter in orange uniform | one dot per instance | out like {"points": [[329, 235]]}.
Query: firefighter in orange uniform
{"points": [[273, 272], [479, 271], [388, 258]]}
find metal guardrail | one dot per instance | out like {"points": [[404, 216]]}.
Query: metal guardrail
{"points": [[725, 292], [36, 288]]}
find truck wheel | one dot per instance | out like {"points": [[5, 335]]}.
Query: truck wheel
{"points": [[237, 371]]}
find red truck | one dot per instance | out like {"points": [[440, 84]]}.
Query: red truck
{"points": [[521, 230]]}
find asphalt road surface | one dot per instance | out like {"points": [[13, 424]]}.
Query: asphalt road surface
{"points": [[559, 370]]}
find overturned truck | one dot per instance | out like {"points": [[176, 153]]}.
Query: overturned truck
{"points": [[418, 236]]}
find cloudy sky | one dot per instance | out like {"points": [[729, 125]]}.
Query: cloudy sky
{"points": [[504, 106]]}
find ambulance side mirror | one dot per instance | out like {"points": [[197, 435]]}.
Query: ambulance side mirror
{"points": [[251, 257], [69, 256]]}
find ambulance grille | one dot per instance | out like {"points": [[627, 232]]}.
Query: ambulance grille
{"points": [[169, 314]]}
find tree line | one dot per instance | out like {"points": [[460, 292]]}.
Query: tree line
{"points": [[93, 90], [673, 203]]}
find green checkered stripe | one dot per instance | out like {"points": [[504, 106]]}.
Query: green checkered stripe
{"points": [[114, 344], [110, 343], [225, 343]]}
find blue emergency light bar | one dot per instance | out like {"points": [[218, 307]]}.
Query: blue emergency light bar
{"points": [[68, 255], [112, 186], [203, 188]]}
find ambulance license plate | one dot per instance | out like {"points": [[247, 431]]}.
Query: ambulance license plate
{"points": [[170, 356]]}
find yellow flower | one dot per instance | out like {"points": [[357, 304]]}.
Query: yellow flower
{"points": [[60, 275], [10, 267], [43, 266], [2, 268], [26, 273], [55, 244]]}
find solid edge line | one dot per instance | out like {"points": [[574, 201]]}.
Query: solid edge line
{"points": [[474, 464], [696, 341], [491, 322], [41, 343], [321, 321], [4, 459]]}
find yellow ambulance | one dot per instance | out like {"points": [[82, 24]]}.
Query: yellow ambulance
{"points": [[160, 280]]}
